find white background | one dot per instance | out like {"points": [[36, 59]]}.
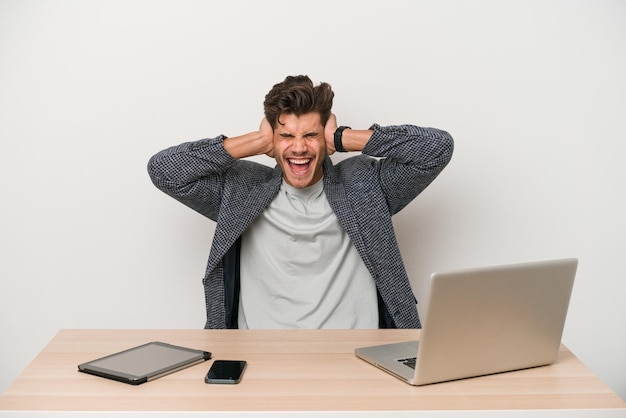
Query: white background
{"points": [[533, 91]]}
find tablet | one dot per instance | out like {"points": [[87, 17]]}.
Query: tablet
{"points": [[144, 363]]}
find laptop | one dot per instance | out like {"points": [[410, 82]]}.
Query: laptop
{"points": [[482, 321]]}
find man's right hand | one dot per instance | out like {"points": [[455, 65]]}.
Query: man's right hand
{"points": [[254, 143], [268, 135]]}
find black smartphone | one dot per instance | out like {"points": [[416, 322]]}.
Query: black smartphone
{"points": [[226, 371]]}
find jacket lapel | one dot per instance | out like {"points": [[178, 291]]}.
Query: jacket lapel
{"points": [[339, 202], [231, 224]]}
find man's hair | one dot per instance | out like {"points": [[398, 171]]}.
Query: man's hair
{"points": [[297, 95]]}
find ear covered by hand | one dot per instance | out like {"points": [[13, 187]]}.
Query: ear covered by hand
{"points": [[329, 134], [268, 136]]}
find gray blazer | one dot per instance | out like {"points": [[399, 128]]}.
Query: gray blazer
{"points": [[364, 193]]}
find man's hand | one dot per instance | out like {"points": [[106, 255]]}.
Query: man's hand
{"points": [[329, 134], [254, 143], [268, 135], [352, 139]]}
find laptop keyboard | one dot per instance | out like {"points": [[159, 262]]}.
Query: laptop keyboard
{"points": [[408, 361]]}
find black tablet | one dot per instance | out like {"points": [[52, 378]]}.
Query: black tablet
{"points": [[144, 363]]}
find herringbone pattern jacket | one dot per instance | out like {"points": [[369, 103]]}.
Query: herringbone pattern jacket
{"points": [[364, 193]]}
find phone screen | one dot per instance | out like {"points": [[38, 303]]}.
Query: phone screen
{"points": [[225, 371]]}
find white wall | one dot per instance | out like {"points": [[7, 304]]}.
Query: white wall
{"points": [[533, 92]]}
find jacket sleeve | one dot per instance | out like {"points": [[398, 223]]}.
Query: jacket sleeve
{"points": [[410, 158], [193, 173]]}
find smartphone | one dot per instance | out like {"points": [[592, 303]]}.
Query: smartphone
{"points": [[226, 371]]}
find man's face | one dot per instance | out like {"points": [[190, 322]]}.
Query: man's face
{"points": [[300, 148]]}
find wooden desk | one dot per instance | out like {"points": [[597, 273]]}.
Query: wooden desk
{"points": [[289, 371]]}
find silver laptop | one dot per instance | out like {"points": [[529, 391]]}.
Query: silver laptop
{"points": [[483, 321]]}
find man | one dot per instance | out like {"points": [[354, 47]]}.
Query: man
{"points": [[306, 244]]}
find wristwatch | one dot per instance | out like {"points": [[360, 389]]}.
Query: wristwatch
{"points": [[338, 138]]}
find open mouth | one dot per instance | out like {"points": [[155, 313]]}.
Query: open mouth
{"points": [[299, 166]]}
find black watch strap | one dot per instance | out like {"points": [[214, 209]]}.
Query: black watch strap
{"points": [[338, 138]]}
